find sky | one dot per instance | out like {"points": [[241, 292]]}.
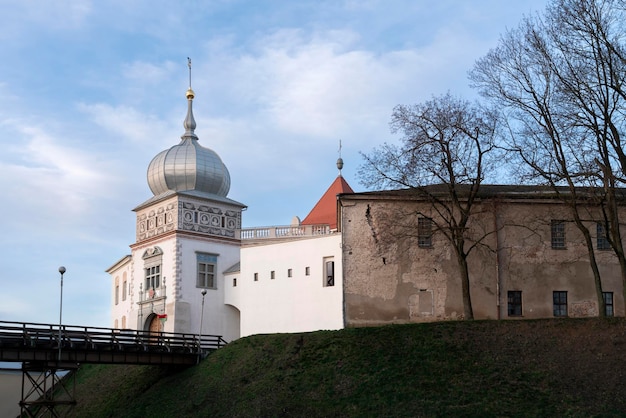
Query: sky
{"points": [[91, 91]]}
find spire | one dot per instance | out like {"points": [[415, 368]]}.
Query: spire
{"points": [[190, 123], [339, 160]]}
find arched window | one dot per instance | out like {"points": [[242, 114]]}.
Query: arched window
{"points": [[124, 286]]}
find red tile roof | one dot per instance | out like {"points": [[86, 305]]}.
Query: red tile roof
{"points": [[325, 211]]}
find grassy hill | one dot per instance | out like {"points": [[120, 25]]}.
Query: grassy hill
{"points": [[482, 368]]}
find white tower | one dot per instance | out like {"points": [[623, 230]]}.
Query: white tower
{"points": [[186, 236]]}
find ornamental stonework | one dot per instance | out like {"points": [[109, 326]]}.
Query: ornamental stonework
{"points": [[156, 221], [210, 220]]}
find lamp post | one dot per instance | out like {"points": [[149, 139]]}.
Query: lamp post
{"points": [[201, 319], [62, 270]]}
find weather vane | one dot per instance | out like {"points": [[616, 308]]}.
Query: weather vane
{"points": [[189, 65]]}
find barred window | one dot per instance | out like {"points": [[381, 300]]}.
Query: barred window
{"points": [[557, 229], [559, 300], [424, 232], [602, 242], [515, 303]]}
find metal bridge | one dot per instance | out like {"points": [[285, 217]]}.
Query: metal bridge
{"points": [[48, 351], [54, 345]]}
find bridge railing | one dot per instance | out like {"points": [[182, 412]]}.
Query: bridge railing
{"points": [[37, 335]]}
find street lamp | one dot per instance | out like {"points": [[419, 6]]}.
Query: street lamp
{"points": [[62, 270], [201, 319]]}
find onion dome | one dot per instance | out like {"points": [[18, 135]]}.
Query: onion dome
{"points": [[188, 166]]}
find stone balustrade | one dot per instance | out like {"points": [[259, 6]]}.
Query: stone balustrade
{"points": [[289, 231]]}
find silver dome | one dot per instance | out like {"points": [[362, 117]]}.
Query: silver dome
{"points": [[188, 165]]}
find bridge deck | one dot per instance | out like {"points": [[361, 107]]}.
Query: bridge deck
{"points": [[39, 343]]}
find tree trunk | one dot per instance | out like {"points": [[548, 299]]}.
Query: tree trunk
{"points": [[468, 311]]}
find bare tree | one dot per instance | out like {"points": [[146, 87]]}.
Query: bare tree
{"points": [[442, 160], [559, 79]]}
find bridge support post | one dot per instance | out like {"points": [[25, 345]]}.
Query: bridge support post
{"points": [[48, 390]]}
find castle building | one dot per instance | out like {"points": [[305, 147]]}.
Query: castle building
{"points": [[350, 262], [193, 269], [529, 260]]}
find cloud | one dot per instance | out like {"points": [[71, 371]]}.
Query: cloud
{"points": [[48, 182], [132, 124], [58, 15], [148, 73]]}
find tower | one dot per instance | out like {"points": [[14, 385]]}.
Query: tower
{"points": [[186, 236]]}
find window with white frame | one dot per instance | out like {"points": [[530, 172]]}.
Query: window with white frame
{"points": [[207, 267], [329, 271], [153, 277], [153, 259]]}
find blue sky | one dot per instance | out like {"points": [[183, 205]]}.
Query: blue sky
{"points": [[91, 91]]}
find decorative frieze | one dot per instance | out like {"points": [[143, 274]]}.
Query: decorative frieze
{"points": [[209, 220], [187, 216], [156, 221]]}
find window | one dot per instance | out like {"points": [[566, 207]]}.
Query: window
{"points": [[608, 303], [424, 232], [557, 229], [307, 271], [559, 301], [602, 242], [153, 258], [289, 273], [124, 321], [153, 277], [117, 294], [207, 266], [235, 282], [272, 274], [124, 288], [329, 269], [256, 277], [515, 302]]}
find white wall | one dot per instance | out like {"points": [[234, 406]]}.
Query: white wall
{"points": [[123, 307], [218, 318], [288, 304]]}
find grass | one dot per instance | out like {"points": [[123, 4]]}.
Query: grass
{"points": [[461, 369]]}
